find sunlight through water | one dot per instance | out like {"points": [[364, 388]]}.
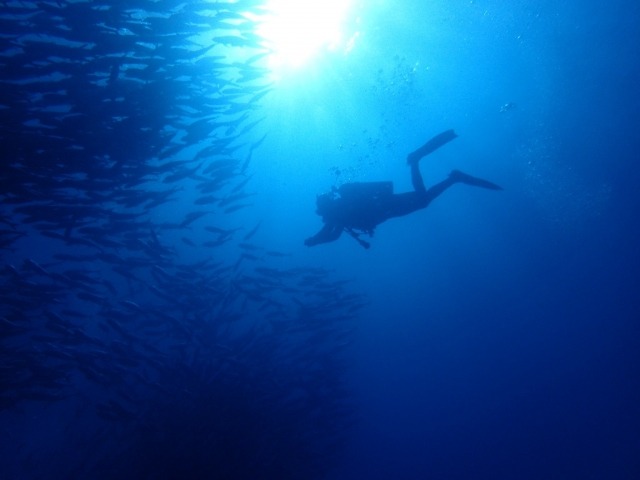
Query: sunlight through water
{"points": [[295, 31]]}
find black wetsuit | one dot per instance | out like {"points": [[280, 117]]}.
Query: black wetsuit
{"points": [[362, 213]]}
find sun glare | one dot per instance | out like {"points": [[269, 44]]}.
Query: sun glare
{"points": [[297, 30]]}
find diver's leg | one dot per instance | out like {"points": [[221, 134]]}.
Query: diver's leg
{"points": [[405, 203], [431, 146], [458, 176], [437, 189], [413, 159], [416, 178]]}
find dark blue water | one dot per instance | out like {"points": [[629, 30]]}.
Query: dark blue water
{"points": [[161, 317]]}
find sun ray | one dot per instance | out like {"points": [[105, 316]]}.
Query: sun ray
{"points": [[296, 31]]}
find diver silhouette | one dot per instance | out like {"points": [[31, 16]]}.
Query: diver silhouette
{"points": [[358, 208]]}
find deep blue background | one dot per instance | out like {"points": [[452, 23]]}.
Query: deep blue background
{"points": [[503, 334]]}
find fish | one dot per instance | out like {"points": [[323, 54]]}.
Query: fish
{"points": [[192, 217], [252, 232]]}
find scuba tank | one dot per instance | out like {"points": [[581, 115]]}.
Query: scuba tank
{"points": [[365, 190], [355, 206]]}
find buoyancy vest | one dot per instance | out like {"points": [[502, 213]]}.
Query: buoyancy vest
{"points": [[365, 190], [362, 202]]}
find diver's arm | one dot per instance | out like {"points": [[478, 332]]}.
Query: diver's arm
{"points": [[329, 233]]}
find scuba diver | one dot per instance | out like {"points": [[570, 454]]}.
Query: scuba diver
{"points": [[358, 208]]}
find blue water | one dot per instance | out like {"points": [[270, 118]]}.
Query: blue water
{"points": [[493, 335]]}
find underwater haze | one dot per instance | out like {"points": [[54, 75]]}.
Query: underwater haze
{"points": [[162, 318]]}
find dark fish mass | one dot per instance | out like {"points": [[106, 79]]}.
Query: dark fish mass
{"points": [[144, 331]]}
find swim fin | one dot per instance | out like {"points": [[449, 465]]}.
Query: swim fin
{"points": [[458, 176], [431, 146]]}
